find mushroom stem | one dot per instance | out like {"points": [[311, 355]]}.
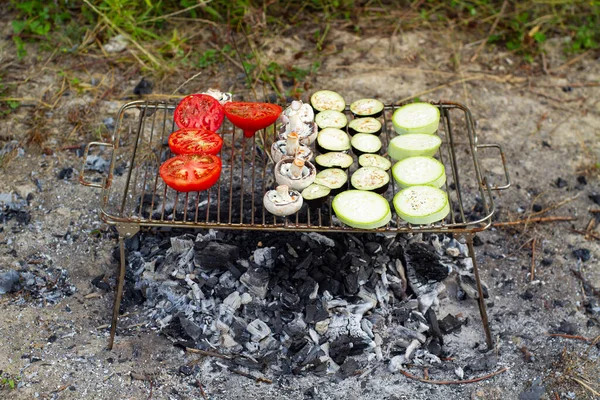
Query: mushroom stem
{"points": [[284, 193], [292, 145], [296, 168]]}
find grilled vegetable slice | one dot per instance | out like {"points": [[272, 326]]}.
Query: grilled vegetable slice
{"points": [[415, 171], [421, 204], [251, 117], [195, 141], [199, 111], [370, 178], [367, 108], [334, 159], [333, 178], [374, 160], [331, 119], [362, 210], [416, 118], [364, 125], [412, 145], [191, 172], [315, 195], [327, 100], [333, 139], [365, 143]]}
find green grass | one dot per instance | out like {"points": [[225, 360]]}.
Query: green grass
{"points": [[164, 33]]}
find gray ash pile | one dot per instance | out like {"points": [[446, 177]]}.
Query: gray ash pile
{"points": [[299, 302]]}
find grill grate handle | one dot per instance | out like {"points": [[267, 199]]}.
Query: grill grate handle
{"points": [[82, 179]]}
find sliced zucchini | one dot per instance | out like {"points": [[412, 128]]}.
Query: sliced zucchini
{"points": [[365, 143], [370, 178], [421, 204], [413, 145], [367, 108], [416, 118], [327, 100], [334, 159], [333, 178], [414, 171], [331, 119], [362, 210], [364, 125], [374, 160], [333, 139], [315, 195]]}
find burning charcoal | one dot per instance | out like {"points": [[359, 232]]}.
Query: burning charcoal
{"points": [[449, 324], [258, 329], [315, 312], [372, 248], [233, 301], [180, 246], [257, 281], [400, 332], [434, 327], [467, 283], [296, 328], [349, 368], [245, 298], [322, 326], [434, 346], [9, 281], [265, 257], [423, 258], [192, 329], [345, 345], [426, 300], [351, 283], [214, 255], [308, 289], [321, 239]]}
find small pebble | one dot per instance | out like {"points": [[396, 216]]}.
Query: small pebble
{"points": [[560, 183], [582, 254]]}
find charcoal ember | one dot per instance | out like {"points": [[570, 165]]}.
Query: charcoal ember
{"points": [[190, 328], [256, 280], [349, 368], [100, 283], [423, 258], [569, 328], [296, 328], [213, 255], [258, 329], [265, 257], [65, 173], [321, 239], [309, 354], [132, 295], [144, 86], [467, 283], [485, 363], [308, 289], [582, 254], [346, 345], [404, 334], [315, 312], [449, 324], [9, 281], [435, 346], [434, 327], [351, 284], [372, 248], [333, 286]]}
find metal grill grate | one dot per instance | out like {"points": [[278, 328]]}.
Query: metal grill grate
{"points": [[133, 192]]}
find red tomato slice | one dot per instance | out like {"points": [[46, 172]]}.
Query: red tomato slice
{"points": [[199, 111], [251, 117], [191, 172], [195, 141]]}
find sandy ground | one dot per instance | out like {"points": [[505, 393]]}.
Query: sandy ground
{"points": [[548, 125]]}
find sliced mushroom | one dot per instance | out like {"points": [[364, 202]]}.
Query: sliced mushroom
{"points": [[305, 111], [299, 118], [282, 201], [295, 173], [290, 148], [222, 97]]}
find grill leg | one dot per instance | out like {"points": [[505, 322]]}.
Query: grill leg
{"points": [[125, 231], [481, 300]]}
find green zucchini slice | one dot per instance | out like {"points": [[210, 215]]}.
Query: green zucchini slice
{"points": [[421, 205], [413, 171], [413, 145], [416, 118], [374, 160], [362, 210]]}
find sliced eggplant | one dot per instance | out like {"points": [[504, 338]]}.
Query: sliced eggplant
{"points": [[413, 145], [331, 119], [362, 210], [333, 178], [370, 178], [334, 159], [364, 125], [374, 160], [327, 100], [416, 118], [416, 171], [333, 139], [315, 195], [367, 108], [363, 143], [421, 204]]}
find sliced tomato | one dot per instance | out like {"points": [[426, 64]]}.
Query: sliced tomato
{"points": [[195, 141], [191, 172], [251, 117], [199, 111]]}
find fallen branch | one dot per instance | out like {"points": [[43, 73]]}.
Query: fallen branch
{"points": [[530, 220], [473, 380]]}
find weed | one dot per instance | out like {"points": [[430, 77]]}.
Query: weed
{"points": [[8, 381]]}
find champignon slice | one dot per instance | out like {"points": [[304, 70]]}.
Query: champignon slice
{"points": [[282, 201]]}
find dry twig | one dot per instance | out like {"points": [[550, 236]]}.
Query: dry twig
{"points": [[247, 375], [587, 234], [533, 260], [530, 220], [208, 353], [473, 380], [492, 29], [574, 337]]}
